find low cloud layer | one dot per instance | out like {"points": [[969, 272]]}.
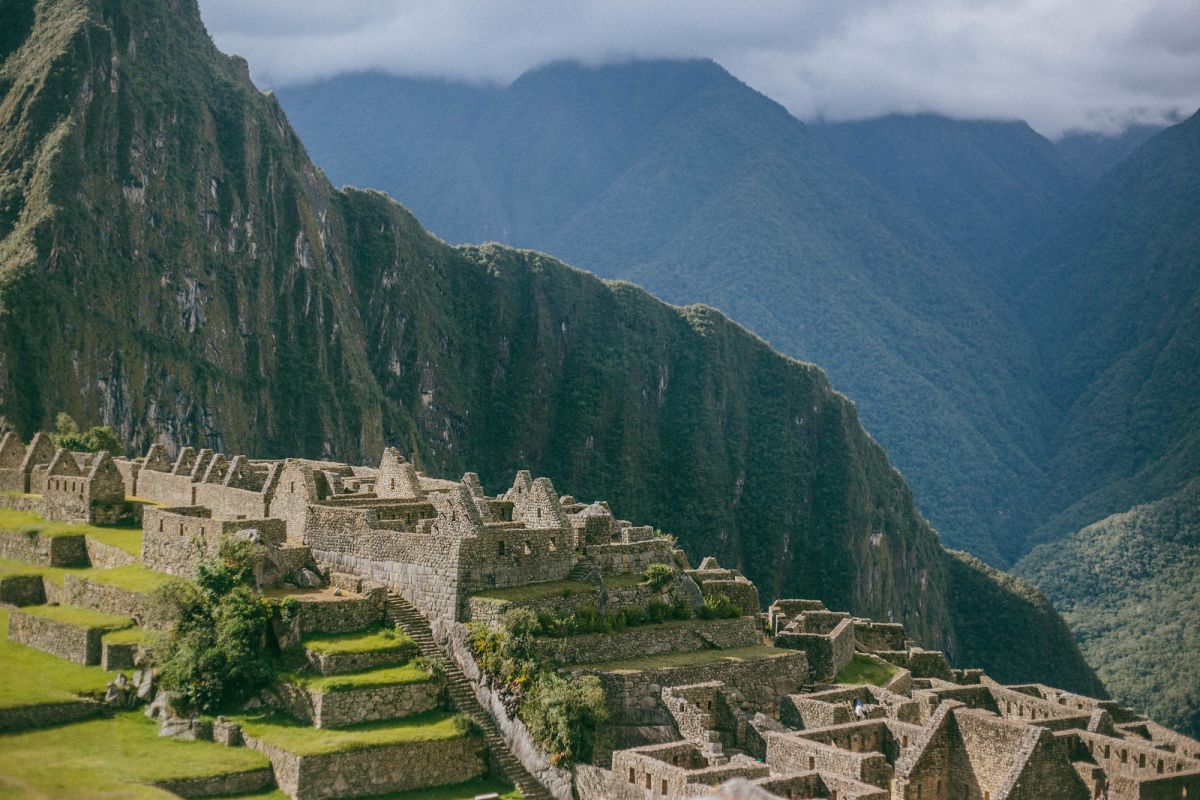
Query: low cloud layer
{"points": [[1059, 64]]}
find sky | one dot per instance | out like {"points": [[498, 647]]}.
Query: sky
{"points": [[1058, 64]]}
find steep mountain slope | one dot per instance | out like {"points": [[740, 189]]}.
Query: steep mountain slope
{"points": [[991, 189], [684, 180], [1093, 154], [174, 265], [1114, 300], [1127, 586]]}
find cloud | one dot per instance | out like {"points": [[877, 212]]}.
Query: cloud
{"points": [[1059, 64]]}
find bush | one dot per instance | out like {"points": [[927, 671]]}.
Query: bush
{"points": [[93, 440], [563, 715], [658, 611], [719, 606], [659, 576], [216, 651]]}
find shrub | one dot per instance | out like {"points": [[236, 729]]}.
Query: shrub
{"points": [[216, 650], [719, 606], [658, 611], [659, 576], [563, 715], [93, 440], [681, 609]]}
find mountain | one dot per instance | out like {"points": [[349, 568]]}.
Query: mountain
{"points": [[1127, 586], [171, 263], [991, 189], [1092, 154], [1114, 300], [682, 179]]}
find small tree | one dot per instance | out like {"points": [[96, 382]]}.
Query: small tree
{"points": [[93, 440], [216, 651], [659, 576], [563, 715]]}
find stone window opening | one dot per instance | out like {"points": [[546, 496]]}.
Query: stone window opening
{"points": [[160, 526], [663, 786], [632, 777], [649, 782], [812, 763], [1160, 766], [293, 487], [500, 547], [1142, 760], [904, 741]]}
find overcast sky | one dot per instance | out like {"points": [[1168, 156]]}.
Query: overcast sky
{"points": [[1059, 64]]}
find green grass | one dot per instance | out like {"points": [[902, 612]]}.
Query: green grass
{"points": [[79, 617], [15, 568], [125, 636], [457, 791], [132, 577], [301, 738], [28, 522], [32, 677], [863, 669], [625, 581], [752, 653], [127, 539], [109, 758], [536, 591], [383, 676], [376, 640]]}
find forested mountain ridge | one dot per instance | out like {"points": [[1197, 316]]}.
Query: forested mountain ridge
{"points": [[172, 264], [684, 180]]}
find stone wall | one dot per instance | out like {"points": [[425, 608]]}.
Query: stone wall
{"points": [[49, 551], [827, 653], [870, 635], [337, 709], [622, 558], [81, 645], [22, 590], [176, 540], [107, 556], [166, 488], [79, 591], [644, 640], [921, 663], [233, 502], [498, 557], [339, 615], [379, 770], [237, 783], [794, 753], [44, 715]]}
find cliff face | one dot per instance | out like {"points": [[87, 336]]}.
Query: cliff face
{"points": [[172, 264]]}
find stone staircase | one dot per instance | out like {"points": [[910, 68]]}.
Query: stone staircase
{"points": [[582, 569], [412, 622]]}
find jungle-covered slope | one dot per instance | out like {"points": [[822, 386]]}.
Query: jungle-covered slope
{"points": [[174, 265]]}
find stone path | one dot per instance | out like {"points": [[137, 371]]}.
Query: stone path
{"points": [[406, 615]]}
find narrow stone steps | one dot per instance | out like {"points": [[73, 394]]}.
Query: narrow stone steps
{"points": [[400, 612]]}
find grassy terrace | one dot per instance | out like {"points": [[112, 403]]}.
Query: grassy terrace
{"points": [[668, 660], [625, 581], [28, 522], [133, 578], [32, 677], [458, 791], [79, 617], [377, 640], [125, 636], [863, 669], [383, 676], [536, 591], [110, 758], [302, 739]]}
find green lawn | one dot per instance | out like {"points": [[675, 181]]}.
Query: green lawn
{"points": [[863, 669], [458, 791], [28, 522], [644, 663], [625, 581], [536, 591], [376, 640], [79, 617], [383, 676], [128, 539], [109, 759], [132, 577], [125, 636], [303, 739], [32, 677]]}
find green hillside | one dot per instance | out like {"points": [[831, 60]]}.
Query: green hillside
{"points": [[684, 180], [172, 264], [1127, 587]]}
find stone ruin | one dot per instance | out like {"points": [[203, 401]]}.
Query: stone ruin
{"points": [[757, 706]]}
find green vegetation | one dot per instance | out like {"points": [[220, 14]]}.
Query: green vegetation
{"points": [[863, 669], [564, 714], [93, 440], [374, 640], [625, 581], [126, 636], [588, 619], [128, 539], [381, 676], [28, 522], [1127, 587], [132, 577], [536, 591], [659, 576], [79, 617], [110, 758], [217, 651], [669, 660], [32, 677], [719, 606], [303, 739]]}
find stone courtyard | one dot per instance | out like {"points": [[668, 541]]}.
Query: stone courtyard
{"points": [[388, 570]]}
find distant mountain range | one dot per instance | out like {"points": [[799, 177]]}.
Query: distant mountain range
{"points": [[1017, 319]]}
